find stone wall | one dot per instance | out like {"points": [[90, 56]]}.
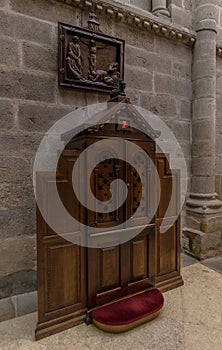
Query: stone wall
{"points": [[158, 77], [181, 12], [142, 4], [203, 230], [219, 110], [219, 129]]}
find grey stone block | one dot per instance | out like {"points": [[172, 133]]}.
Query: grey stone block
{"points": [[9, 49], [218, 182], [165, 84], [29, 214], [149, 60], [139, 57], [203, 68], [23, 251], [17, 217], [219, 147], [210, 244], [219, 170], [203, 108], [205, 47], [206, 11], [163, 105], [39, 58], [185, 109], [204, 181], [52, 12], [187, 260], [11, 220], [180, 129], [17, 198], [134, 95], [202, 131], [75, 98], [219, 85], [203, 166], [181, 69], [135, 36], [16, 283], [24, 211], [174, 49], [206, 24], [15, 143], [219, 117], [36, 117], [25, 303], [201, 148], [25, 28], [11, 194], [186, 149], [13, 169], [15, 84], [204, 88], [7, 309], [214, 263], [142, 4], [7, 113], [220, 17], [181, 16], [140, 79]]}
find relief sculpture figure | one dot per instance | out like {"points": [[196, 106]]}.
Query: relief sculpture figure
{"points": [[94, 73], [109, 76], [92, 57], [74, 58], [113, 74]]}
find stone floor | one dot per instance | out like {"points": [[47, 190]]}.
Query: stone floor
{"points": [[214, 263], [190, 320]]}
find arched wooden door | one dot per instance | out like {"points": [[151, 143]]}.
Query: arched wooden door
{"points": [[120, 269]]}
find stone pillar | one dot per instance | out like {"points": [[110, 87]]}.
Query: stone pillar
{"points": [[203, 231], [159, 8]]}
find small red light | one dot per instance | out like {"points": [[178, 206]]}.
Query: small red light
{"points": [[124, 124]]}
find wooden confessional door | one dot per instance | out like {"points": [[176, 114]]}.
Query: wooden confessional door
{"points": [[62, 299], [121, 269], [167, 247]]}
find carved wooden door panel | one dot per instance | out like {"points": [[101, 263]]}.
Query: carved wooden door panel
{"points": [[121, 269], [61, 264], [167, 274]]}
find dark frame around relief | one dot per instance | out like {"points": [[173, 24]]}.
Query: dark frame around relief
{"points": [[89, 60]]}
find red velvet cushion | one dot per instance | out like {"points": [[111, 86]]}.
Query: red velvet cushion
{"points": [[129, 310]]}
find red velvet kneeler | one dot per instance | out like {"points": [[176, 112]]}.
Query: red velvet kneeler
{"points": [[125, 314]]}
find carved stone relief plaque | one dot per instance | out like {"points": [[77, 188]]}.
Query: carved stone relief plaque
{"points": [[89, 59]]}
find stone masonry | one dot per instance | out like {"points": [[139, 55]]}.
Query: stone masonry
{"points": [[204, 209], [171, 69]]}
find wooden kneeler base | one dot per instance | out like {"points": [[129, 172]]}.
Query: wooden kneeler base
{"points": [[126, 314]]}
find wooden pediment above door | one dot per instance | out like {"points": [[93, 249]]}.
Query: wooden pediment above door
{"points": [[126, 118]]}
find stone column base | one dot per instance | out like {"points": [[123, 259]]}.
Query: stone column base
{"points": [[202, 236]]}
